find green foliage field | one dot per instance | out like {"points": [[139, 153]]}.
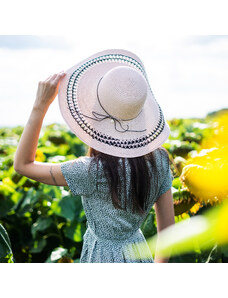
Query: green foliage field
{"points": [[47, 223]]}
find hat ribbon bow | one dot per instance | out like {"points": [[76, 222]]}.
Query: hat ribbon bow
{"points": [[101, 117]]}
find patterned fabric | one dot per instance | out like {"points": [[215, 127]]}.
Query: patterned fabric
{"points": [[110, 230]]}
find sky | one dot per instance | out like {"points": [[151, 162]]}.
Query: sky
{"points": [[187, 73]]}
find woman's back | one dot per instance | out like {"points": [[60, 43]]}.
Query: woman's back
{"points": [[110, 228]]}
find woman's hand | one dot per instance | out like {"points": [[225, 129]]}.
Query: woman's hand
{"points": [[47, 90]]}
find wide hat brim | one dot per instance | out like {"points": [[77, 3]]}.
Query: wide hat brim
{"points": [[78, 95]]}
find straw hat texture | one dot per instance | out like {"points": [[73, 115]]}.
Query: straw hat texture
{"points": [[107, 102]]}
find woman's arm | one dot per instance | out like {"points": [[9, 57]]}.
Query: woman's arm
{"points": [[24, 160], [165, 217]]}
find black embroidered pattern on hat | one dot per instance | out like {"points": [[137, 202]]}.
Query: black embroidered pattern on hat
{"points": [[87, 127]]}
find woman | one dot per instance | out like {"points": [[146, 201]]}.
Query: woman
{"points": [[107, 102]]}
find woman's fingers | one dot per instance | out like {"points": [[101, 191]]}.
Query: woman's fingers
{"points": [[58, 77], [50, 77], [55, 76]]}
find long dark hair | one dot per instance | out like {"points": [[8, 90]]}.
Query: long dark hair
{"points": [[140, 177]]}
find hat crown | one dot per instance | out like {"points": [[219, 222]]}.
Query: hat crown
{"points": [[122, 92], [99, 81]]}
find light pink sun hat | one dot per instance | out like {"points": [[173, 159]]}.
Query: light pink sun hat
{"points": [[107, 102]]}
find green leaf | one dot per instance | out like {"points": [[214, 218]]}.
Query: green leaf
{"points": [[5, 245], [148, 227], [75, 231], [38, 245], [16, 196], [40, 225], [68, 207], [52, 191], [27, 182], [28, 199], [224, 249], [41, 196], [5, 206], [7, 259], [6, 190]]}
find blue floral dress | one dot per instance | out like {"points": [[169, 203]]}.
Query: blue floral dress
{"points": [[110, 230]]}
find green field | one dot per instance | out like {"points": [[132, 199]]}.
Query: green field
{"points": [[47, 223]]}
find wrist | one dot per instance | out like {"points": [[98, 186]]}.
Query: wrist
{"points": [[40, 107]]}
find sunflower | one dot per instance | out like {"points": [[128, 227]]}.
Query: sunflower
{"points": [[39, 155], [196, 208], [205, 175], [183, 201]]}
